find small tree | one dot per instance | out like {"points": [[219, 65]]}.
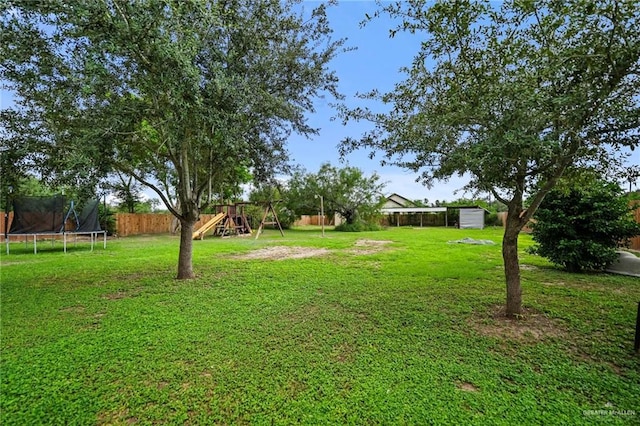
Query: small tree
{"points": [[580, 227], [128, 192], [346, 191]]}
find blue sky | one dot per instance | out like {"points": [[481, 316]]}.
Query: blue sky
{"points": [[374, 64]]}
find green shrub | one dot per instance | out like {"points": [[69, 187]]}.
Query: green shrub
{"points": [[358, 227], [492, 219], [581, 227], [107, 219]]}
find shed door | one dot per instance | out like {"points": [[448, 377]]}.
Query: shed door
{"points": [[471, 218]]}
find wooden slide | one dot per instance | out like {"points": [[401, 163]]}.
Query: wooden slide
{"points": [[208, 226]]}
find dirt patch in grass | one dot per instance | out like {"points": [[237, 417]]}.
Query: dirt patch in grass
{"points": [[305, 313], [122, 294], [525, 267], [343, 352], [467, 387], [369, 246], [5, 263], [532, 326], [76, 309], [285, 252], [375, 243], [120, 416], [295, 388]]}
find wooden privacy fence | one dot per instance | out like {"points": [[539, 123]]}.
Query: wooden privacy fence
{"points": [[2, 220], [149, 223], [154, 223], [132, 223], [2, 230], [314, 220]]}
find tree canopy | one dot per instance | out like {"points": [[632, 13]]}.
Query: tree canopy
{"points": [[346, 191], [183, 96], [510, 94]]}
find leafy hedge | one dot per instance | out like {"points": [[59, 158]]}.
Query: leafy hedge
{"points": [[358, 227], [581, 227]]}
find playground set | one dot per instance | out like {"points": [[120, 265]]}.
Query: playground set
{"points": [[231, 219], [46, 217]]}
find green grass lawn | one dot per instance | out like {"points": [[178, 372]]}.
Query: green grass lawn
{"points": [[405, 330]]}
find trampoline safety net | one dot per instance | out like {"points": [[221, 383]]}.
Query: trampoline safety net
{"points": [[89, 220], [34, 215], [44, 215]]}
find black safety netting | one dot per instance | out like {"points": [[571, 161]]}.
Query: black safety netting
{"points": [[34, 215], [88, 220], [43, 215]]}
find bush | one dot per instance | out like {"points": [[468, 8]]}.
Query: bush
{"points": [[581, 227], [107, 219], [358, 227], [492, 219]]}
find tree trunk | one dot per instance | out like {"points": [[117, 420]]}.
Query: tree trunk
{"points": [[350, 216], [511, 263], [185, 266]]}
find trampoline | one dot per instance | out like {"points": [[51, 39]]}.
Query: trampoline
{"points": [[35, 217]]}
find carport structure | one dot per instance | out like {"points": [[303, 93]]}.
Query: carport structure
{"points": [[397, 211]]}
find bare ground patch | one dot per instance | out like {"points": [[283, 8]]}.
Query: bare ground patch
{"points": [[467, 387], [305, 313], [369, 246], [119, 416], [532, 326], [374, 243], [286, 252], [122, 294], [344, 352], [76, 309], [525, 267], [5, 263]]}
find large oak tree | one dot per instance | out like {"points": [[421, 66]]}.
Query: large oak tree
{"points": [[511, 94], [181, 95]]}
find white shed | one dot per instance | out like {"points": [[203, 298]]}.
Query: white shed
{"points": [[472, 218]]}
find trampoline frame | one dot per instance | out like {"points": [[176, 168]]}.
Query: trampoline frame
{"points": [[93, 235]]}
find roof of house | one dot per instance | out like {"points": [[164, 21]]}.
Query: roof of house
{"points": [[389, 210], [397, 200]]}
